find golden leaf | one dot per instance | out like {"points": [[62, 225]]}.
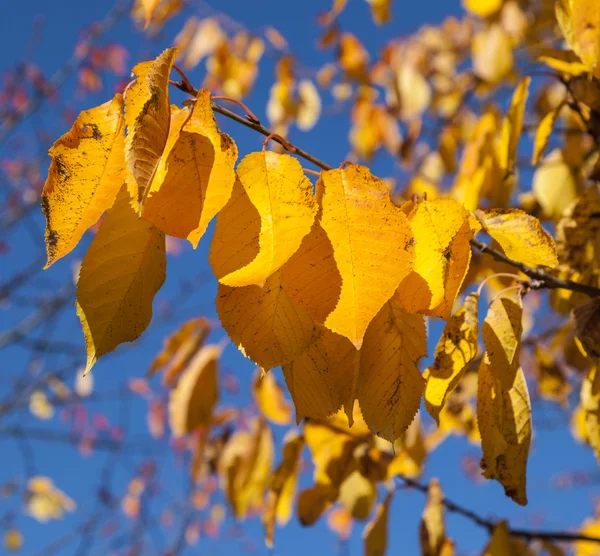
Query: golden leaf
{"points": [[442, 229], [195, 176], [590, 528], [323, 378], [148, 7], [521, 236], [504, 417], [587, 323], [411, 452], [493, 57], [357, 495], [455, 350], [372, 246], [85, 175], [179, 348], [12, 540], [192, 401], [45, 502], [313, 502], [432, 531], [589, 417], [483, 8], [270, 398], [375, 533], [121, 272], [244, 467], [564, 61], [282, 196], [390, 385], [542, 135], [265, 323], [381, 10], [579, 21], [512, 127], [282, 486], [147, 120]]}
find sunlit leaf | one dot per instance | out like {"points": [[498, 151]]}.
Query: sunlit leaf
{"points": [[375, 534], [270, 398]]}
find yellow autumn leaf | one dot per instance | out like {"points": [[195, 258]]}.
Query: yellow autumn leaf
{"points": [[500, 542], [148, 7], [270, 398], [40, 406], [455, 350], [282, 486], [492, 52], [381, 10], [482, 8], [283, 198], [265, 323], [12, 541], [85, 175], [357, 495], [564, 61], [390, 385], [589, 415], [372, 246], [313, 502], [589, 528], [579, 21], [587, 325], [195, 176], [45, 502], [521, 236], [192, 401], [543, 133], [432, 531], [323, 378], [375, 534], [512, 127], [121, 272], [411, 452], [179, 348], [442, 230], [504, 417], [245, 466], [554, 185], [147, 120]]}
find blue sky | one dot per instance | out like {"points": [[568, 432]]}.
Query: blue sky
{"points": [[553, 448]]}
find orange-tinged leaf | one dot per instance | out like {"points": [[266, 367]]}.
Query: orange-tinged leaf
{"points": [[442, 229], [85, 175], [311, 276], [244, 467], [543, 133], [265, 323], [375, 533], [512, 127], [195, 176], [381, 10], [579, 21], [372, 246], [270, 399], [323, 378], [504, 418], [12, 540], [521, 236], [148, 7], [192, 401], [282, 486], [120, 274], [390, 385], [147, 120], [282, 196], [455, 350]]}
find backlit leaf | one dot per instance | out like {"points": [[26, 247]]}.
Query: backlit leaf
{"points": [[512, 126], [192, 401], [587, 323], [270, 398], [195, 176], [121, 272], [432, 532], [521, 236], [147, 120], [455, 350], [390, 385], [282, 486], [372, 246], [542, 135], [265, 323], [45, 502], [375, 534], [85, 175], [357, 495], [283, 198], [590, 410]]}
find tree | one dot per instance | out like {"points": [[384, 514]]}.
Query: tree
{"points": [[470, 283]]}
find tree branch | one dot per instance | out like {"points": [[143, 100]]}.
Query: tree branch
{"points": [[489, 524], [540, 278]]}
